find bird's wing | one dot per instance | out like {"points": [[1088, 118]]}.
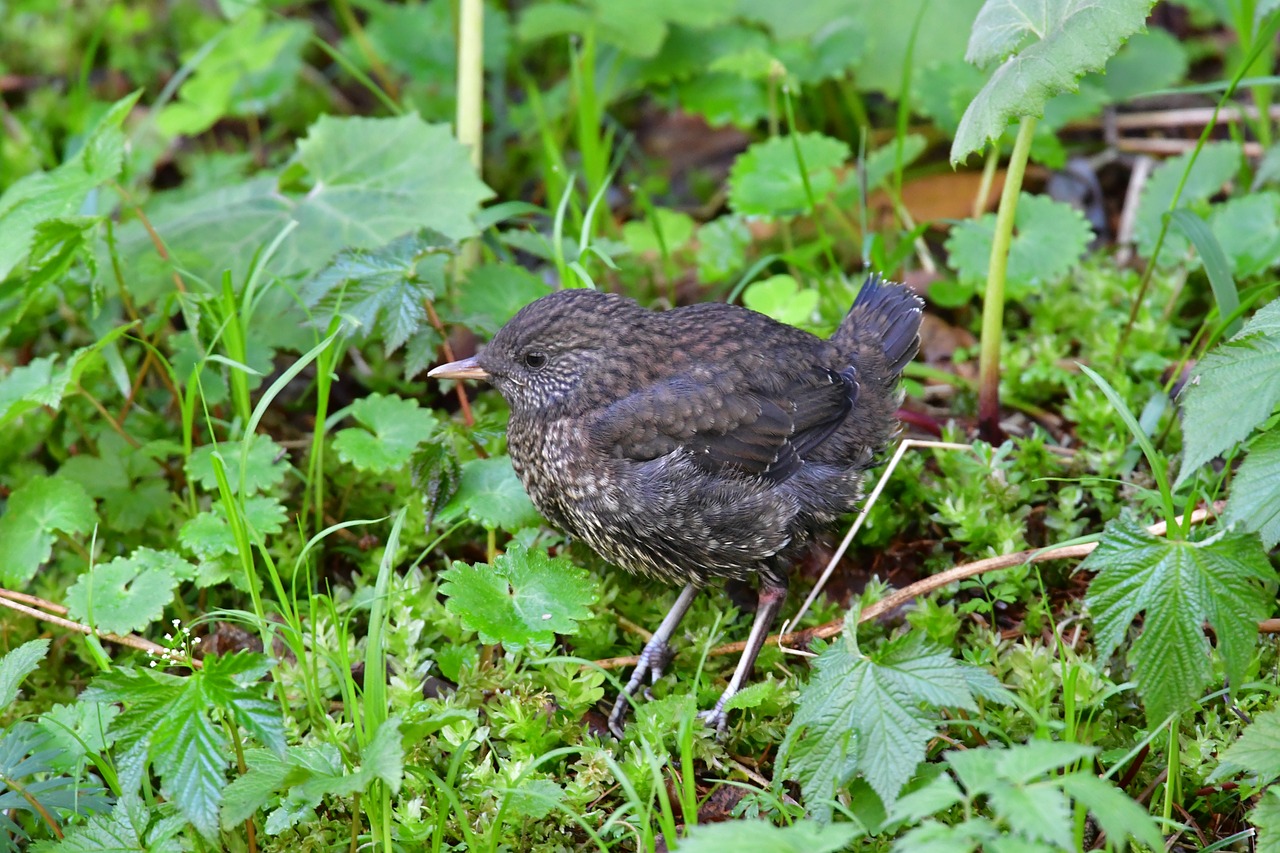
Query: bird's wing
{"points": [[764, 426]]}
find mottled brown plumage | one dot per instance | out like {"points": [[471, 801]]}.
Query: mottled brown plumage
{"points": [[698, 443]]}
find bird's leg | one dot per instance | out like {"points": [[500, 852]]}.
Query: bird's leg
{"points": [[772, 593], [654, 658]]}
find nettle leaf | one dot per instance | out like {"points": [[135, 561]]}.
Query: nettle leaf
{"points": [[1255, 492], [1042, 47], [124, 830], [522, 600], [493, 294], [383, 290], [490, 494], [1256, 752], [1216, 165], [1248, 229], [61, 192], [167, 719], [367, 182], [263, 470], [17, 665], [392, 428], [782, 298], [1049, 238], [128, 593], [1235, 388], [36, 511], [1266, 817], [766, 179], [753, 836], [436, 473], [1178, 586], [872, 715], [39, 384]]}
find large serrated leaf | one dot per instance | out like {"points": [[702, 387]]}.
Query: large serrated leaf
{"points": [[367, 182], [1257, 751], [523, 600], [1255, 491], [17, 665], [860, 714], [1234, 389], [1043, 47], [1178, 586]]}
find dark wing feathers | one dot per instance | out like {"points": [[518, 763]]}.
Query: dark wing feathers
{"points": [[758, 427]]}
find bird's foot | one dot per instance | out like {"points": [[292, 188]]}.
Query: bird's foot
{"points": [[716, 718], [653, 661]]}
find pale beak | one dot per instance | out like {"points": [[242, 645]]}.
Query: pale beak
{"points": [[468, 368]]}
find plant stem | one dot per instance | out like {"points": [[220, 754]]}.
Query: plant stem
{"points": [[470, 114], [993, 299]]}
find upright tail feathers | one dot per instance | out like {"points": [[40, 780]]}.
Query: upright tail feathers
{"points": [[885, 318]]}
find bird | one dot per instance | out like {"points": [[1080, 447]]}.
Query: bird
{"points": [[697, 444]]}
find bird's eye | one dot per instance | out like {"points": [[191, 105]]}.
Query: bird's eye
{"points": [[535, 360]]}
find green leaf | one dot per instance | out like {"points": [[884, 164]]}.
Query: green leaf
{"points": [[1248, 229], [38, 384], [17, 665], [722, 248], [62, 192], [1049, 238], [368, 181], [642, 235], [436, 473], [1256, 752], [754, 836], [781, 297], [1039, 812], [892, 43], [35, 512], [124, 830], [523, 600], [393, 427], [1215, 263], [383, 291], [1217, 164], [128, 593], [1266, 817], [1235, 388], [1042, 47], [1255, 492], [1118, 815], [1178, 586], [264, 467], [869, 715], [493, 294], [766, 179], [490, 494], [208, 535], [1151, 60], [251, 68]]}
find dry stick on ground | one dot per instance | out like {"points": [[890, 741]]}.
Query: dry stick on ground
{"points": [[47, 611], [930, 584]]}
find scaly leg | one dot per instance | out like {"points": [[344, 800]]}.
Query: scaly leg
{"points": [[654, 658], [772, 593]]}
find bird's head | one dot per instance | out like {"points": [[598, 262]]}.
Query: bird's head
{"points": [[558, 350]]}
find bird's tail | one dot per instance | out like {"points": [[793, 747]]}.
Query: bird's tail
{"points": [[883, 326]]}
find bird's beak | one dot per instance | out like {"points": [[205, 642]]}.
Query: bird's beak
{"points": [[468, 368]]}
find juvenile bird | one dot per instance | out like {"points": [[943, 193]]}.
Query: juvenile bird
{"points": [[697, 443]]}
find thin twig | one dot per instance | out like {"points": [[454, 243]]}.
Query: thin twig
{"points": [[463, 403], [12, 600], [926, 586]]}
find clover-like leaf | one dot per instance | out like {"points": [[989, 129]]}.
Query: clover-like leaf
{"points": [[128, 593], [209, 535], [782, 298], [264, 467], [36, 511], [1049, 238], [1235, 388], [1177, 586], [490, 494], [392, 428], [522, 600], [766, 179], [1042, 48], [753, 836]]}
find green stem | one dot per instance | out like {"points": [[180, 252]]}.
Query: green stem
{"points": [[470, 115], [993, 300]]}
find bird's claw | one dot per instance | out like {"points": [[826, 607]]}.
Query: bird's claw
{"points": [[653, 663], [716, 718]]}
